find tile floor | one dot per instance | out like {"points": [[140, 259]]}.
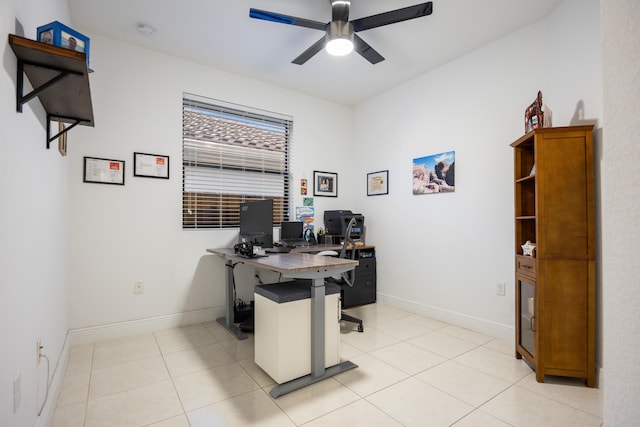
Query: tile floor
{"points": [[412, 371]]}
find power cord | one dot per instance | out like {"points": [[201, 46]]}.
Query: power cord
{"points": [[46, 393], [233, 279], [257, 276]]}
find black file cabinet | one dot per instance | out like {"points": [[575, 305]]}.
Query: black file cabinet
{"points": [[364, 287]]}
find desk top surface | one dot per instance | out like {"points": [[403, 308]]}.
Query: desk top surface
{"points": [[291, 262]]}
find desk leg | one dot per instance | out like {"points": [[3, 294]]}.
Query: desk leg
{"points": [[317, 327], [227, 321]]}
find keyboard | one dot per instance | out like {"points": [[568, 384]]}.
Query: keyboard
{"points": [[278, 250], [294, 242]]}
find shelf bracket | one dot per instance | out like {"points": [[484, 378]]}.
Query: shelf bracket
{"points": [[23, 99], [50, 138]]}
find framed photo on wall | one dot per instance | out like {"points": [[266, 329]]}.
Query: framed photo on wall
{"points": [[378, 183], [325, 184], [434, 174]]}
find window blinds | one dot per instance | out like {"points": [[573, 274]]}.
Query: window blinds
{"points": [[232, 154]]}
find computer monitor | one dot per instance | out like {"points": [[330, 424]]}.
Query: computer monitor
{"points": [[291, 230], [256, 222]]}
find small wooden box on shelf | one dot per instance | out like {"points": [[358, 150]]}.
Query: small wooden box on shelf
{"points": [[555, 288]]}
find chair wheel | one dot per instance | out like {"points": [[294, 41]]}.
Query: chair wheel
{"points": [[360, 328]]}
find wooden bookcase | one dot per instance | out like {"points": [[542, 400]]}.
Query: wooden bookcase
{"points": [[555, 288]]}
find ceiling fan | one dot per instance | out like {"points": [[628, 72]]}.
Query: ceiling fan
{"points": [[340, 33]]}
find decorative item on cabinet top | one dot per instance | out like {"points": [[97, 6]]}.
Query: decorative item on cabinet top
{"points": [[528, 249], [537, 115]]}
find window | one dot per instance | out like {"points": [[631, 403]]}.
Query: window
{"points": [[232, 154]]}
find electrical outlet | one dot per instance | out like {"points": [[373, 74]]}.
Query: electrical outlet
{"points": [[500, 288], [138, 288], [38, 350], [17, 393]]}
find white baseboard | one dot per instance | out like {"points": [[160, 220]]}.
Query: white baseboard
{"points": [[132, 327], [484, 326]]}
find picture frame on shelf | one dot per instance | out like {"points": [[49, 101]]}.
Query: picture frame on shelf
{"points": [[325, 184], [58, 34], [150, 165], [378, 183], [103, 171]]}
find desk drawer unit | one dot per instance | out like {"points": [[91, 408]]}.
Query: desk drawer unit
{"points": [[283, 329], [364, 288]]}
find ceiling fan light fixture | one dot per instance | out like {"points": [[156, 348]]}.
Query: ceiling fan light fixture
{"points": [[339, 38], [339, 47]]}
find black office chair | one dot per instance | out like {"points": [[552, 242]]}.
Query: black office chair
{"points": [[347, 279]]}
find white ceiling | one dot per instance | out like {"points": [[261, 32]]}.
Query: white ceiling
{"points": [[220, 33]]}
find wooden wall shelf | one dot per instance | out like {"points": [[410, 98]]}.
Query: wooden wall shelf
{"points": [[60, 79]]}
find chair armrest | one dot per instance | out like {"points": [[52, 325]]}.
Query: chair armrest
{"points": [[327, 253]]}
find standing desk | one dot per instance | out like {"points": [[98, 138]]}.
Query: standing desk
{"points": [[298, 265]]}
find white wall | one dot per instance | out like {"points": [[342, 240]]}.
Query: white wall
{"points": [[620, 206], [33, 229], [443, 254], [122, 234]]}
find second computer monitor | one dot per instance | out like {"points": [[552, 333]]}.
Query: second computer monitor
{"points": [[256, 222], [290, 230]]}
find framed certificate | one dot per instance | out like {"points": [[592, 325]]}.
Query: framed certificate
{"points": [[150, 165], [103, 171], [378, 183]]}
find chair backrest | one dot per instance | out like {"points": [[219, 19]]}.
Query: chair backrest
{"points": [[349, 276]]}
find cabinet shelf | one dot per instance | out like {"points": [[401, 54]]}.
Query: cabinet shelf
{"points": [[530, 178], [60, 79]]}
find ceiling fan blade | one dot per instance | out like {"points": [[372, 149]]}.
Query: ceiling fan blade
{"points": [[286, 19], [307, 54], [393, 16], [367, 52]]}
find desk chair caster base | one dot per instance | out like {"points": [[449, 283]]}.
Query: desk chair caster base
{"points": [[352, 319]]}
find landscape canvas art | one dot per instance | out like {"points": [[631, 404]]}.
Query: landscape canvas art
{"points": [[434, 174]]}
